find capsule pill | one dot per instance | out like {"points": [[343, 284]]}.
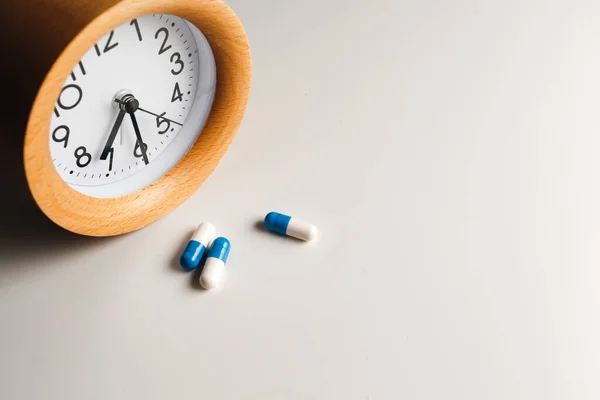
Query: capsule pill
{"points": [[214, 268], [289, 226], [196, 247]]}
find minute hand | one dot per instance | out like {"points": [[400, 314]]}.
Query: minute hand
{"points": [[136, 128]]}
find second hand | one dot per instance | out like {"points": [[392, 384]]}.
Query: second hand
{"points": [[151, 113]]}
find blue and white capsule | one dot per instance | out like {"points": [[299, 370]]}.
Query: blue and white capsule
{"points": [[289, 226], [214, 268], [196, 248]]}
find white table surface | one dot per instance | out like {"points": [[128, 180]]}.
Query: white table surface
{"points": [[448, 150]]}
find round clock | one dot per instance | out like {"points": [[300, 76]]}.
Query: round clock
{"points": [[135, 112]]}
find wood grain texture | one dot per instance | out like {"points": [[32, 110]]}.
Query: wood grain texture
{"points": [[107, 217]]}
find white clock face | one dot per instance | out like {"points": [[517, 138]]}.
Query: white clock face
{"points": [[164, 69]]}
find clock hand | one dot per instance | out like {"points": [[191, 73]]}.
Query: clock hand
{"points": [[113, 135], [158, 116], [136, 128], [151, 113], [130, 105]]}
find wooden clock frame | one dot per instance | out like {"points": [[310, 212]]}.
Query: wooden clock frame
{"points": [[108, 217]]}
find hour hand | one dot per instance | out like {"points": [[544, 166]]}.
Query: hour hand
{"points": [[113, 135]]}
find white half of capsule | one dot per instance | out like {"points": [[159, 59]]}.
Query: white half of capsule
{"points": [[213, 273], [302, 230], [205, 234]]}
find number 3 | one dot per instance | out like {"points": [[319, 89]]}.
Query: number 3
{"points": [[177, 60]]}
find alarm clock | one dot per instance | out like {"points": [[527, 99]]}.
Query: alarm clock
{"points": [[139, 103]]}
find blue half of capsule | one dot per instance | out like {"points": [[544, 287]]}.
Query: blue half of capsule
{"points": [[192, 255], [220, 249], [277, 222]]}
